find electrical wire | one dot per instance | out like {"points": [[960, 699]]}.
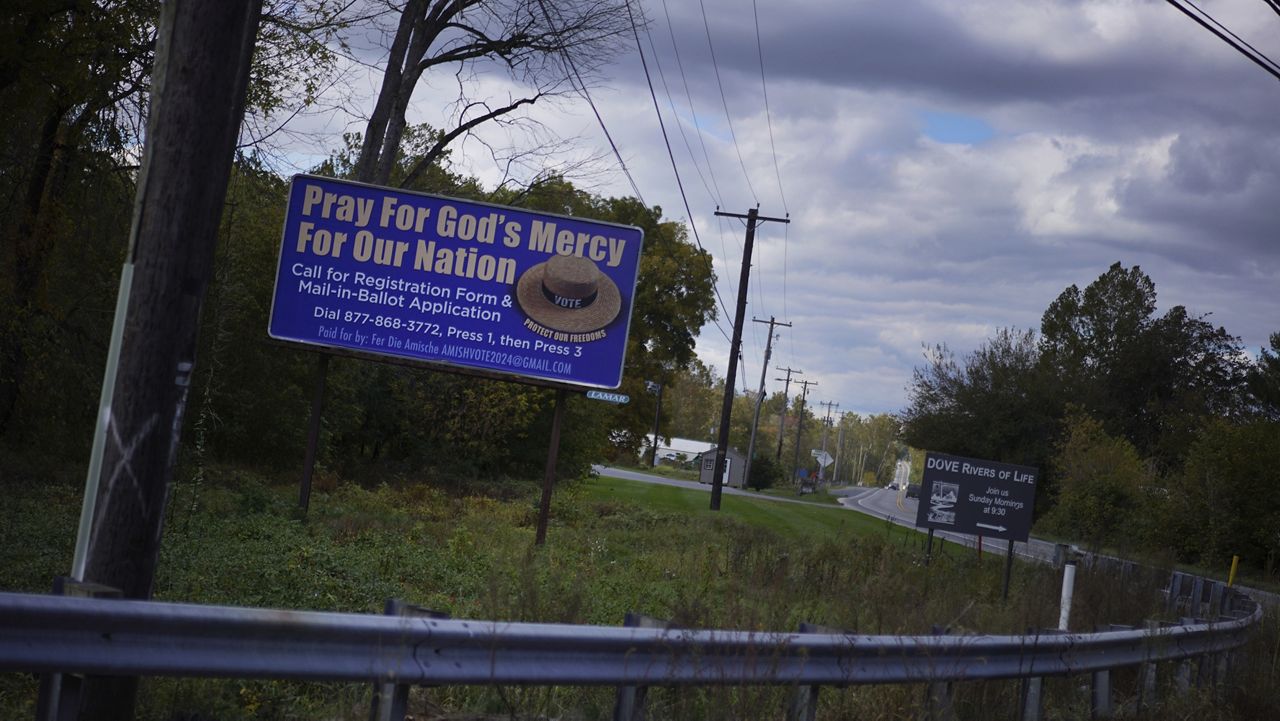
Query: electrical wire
{"points": [[679, 184], [675, 114], [1239, 39], [728, 119], [692, 110], [768, 116], [581, 87], [1263, 61]]}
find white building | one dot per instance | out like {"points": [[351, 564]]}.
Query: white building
{"points": [[673, 450]]}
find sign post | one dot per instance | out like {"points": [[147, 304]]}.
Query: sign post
{"points": [[978, 498]]}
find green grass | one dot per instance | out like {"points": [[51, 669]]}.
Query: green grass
{"points": [[789, 519], [613, 546], [681, 474], [822, 496]]}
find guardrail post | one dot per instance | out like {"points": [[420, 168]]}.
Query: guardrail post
{"points": [[629, 703], [804, 700], [1184, 678], [1175, 590], [1148, 675], [1031, 691], [1101, 702], [390, 701], [1197, 597], [1215, 600], [59, 695], [938, 702]]}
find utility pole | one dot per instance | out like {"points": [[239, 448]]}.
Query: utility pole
{"points": [[726, 410], [804, 393], [199, 83], [755, 421], [782, 418], [826, 425], [835, 474]]}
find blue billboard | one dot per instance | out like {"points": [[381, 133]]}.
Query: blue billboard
{"points": [[478, 287]]}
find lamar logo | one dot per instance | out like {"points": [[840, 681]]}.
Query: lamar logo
{"points": [[942, 502]]}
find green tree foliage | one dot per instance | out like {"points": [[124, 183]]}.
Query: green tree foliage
{"points": [[74, 95], [765, 472], [870, 449], [1263, 381], [1151, 380], [254, 396], [691, 403], [1223, 503], [1100, 486], [997, 403]]}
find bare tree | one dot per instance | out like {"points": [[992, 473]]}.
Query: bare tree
{"points": [[544, 46]]}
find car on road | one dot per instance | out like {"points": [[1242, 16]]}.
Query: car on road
{"points": [[913, 490]]}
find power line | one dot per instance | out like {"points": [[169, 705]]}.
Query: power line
{"points": [[1260, 60], [581, 87], [679, 184], [1227, 30], [768, 116], [728, 119], [679, 125], [684, 79]]}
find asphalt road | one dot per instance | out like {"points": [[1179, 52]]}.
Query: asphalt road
{"points": [[893, 505]]}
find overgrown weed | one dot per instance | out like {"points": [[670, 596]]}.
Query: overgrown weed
{"points": [[472, 556]]}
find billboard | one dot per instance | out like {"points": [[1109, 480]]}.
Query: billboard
{"points": [[980, 498], [476, 287]]}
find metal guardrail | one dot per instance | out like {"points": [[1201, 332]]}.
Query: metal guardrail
{"points": [[100, 636]]}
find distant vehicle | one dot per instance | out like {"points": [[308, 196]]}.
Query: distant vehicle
{"points": [[913, 490]]}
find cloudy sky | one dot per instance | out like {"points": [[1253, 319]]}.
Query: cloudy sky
{"points": [[948, 167]]}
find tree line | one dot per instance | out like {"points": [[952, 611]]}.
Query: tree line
{"points": [[867, 447], [74, 95], [1155, 432]]}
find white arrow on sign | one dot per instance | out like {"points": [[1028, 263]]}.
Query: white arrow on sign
{"points": [[994, 528], [824, 458]]}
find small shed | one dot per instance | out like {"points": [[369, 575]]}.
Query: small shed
{"points": [[734, 472]]}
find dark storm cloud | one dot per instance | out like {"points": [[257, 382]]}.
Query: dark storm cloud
{"points": [[1121, 132]]}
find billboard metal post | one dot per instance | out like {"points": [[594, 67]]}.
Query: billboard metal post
{"points": [[549, 478], [1008, 570], [313, 434]]}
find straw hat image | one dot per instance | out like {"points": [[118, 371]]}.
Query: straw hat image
{"points": [[568, 294]]}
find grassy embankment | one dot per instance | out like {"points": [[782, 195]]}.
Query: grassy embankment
{"points": [[614, 546]]}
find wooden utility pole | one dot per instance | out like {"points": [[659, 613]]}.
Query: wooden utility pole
{"points": [[203, 53], [835, 473], [726, 410], [804, 393], [755, 420], [782, 418], [826, 426]]}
